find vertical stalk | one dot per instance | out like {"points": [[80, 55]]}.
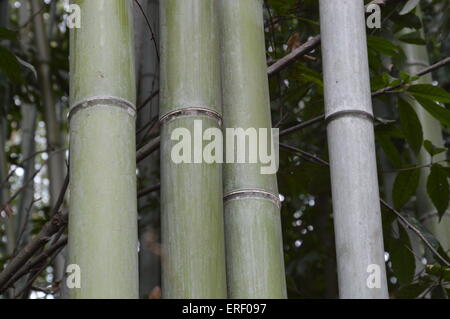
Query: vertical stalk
{"points": [[8, 221], [28, 147], [56, 166], [416, 59], [191, 193], [255, 265], [356, 205], [28, 128], [56, 162], [103, 218]]}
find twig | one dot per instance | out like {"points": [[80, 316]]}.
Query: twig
{"points": [[304, 154], [149, 190], [294, 55], [302, 125], [147, 100], [427, 70], [44, 266], [148, 149], [415, 230], [149, 27], [35, 262], [57, 221], [55, 225], [405, 222]]}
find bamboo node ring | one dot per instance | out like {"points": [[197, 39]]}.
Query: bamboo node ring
{"points": [[104, 101], [356, 113], [191, 111], [252, 193]]}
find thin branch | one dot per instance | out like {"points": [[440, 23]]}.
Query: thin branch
{"points": [[58, 248], [37, 261], [21, 189], [385, 90], [57, 221], [415, 230], [304, 49], [435, 66], [427, 70], [149, 190], [24, 225], [147, 100], [385, 204], [305, 154], [148, 149], [293, 56], [302, 125], [149, 27], [55, 225]]}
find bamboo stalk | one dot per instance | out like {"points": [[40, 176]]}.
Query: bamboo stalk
{"points": [[416, 59], [8, 220], [356, 203], [191, 194], [255, 265], [54, 135], [103, 214]]}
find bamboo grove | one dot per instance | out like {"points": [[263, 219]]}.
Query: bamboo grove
{"points": [[118, 118]]}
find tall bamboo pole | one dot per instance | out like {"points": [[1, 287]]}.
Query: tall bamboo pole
{"points": [[357, 216], [191, 193], [28, 128], [255, 266], [54, 136], [8, 221], [103, 218], [416, 59]]}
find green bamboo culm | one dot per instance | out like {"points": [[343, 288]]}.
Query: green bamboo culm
{"points": [[417, 59], [254, 252], [191, 193], [103, 215]]}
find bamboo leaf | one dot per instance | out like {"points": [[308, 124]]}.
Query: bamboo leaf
{"points": [[439, 271], [382, 46], [409, 6], [405, 186], [431, 92], [437, 111], [403, 261], [412, 291], [411, 127], [432, 149], [412, 38], [6, 34], [389, 148], [438, 188], [9, 65]]}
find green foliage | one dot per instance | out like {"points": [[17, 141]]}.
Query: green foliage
{"points": [[431, 149], [412, 38], [430, 92], [405, 186], [409, 6], [6, 34], [410, 123], [402, 257], [438, 188], [382, 46], [9, 65], [437, 111]]}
